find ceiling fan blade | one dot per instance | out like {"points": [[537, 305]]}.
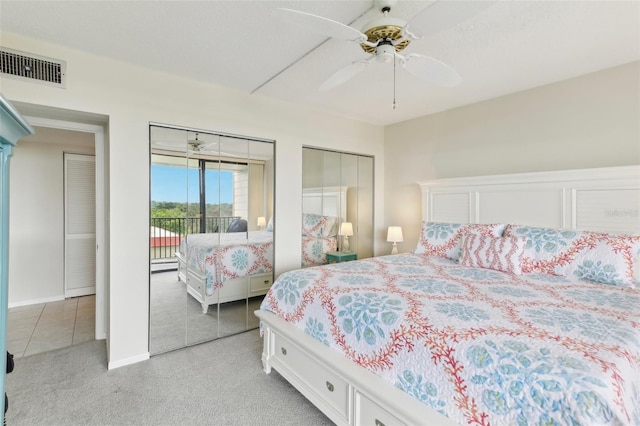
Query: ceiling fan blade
{"points": [[431, 70], [319, 24], [443, 14], [344, 74]]}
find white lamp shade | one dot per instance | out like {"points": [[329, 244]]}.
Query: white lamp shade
{"points": [[346, 229], [394, 234], [262, 221]]}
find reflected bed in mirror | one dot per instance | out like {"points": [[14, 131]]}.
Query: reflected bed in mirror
{"points": [[225, 267], [337, 190], [208, 190], [322, 209]]}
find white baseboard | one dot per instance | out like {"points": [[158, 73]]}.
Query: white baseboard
{"points": [[128, 361], [35, 301]]}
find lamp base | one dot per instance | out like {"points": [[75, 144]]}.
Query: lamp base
{"points": [[394, 248], [345, 244]]}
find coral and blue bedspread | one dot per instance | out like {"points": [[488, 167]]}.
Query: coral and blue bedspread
{"points": [[223, 256], [480, 346]]}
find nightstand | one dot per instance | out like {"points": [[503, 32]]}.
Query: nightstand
{"points": [[340, 256]]}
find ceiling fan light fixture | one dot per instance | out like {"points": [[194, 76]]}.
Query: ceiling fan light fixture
{"points": [[385, 53], [381, 30], [194, 143]]}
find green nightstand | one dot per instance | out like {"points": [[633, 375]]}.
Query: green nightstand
{"points": [[340, 256]]}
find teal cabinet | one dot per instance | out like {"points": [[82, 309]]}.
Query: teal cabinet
{"points": [[340, 256], [12, 127]]}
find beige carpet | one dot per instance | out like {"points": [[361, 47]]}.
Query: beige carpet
{"points": [[215, 383], [176, 318]]}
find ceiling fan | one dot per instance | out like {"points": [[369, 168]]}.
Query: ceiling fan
{"points": [[385, 37], [197, 145], [216, 148]]}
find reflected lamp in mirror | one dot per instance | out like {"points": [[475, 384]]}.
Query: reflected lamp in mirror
{"points": [[262, 222], [346, 230], [394, 235]]}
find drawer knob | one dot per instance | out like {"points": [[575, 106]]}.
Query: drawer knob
{"points": [[330, 387], [379, 423], [266, 282], [284, 351]]}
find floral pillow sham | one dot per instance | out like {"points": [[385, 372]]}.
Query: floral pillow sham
{"points": [[317, 226], [498, 253], [600, 257], [443, 239]]}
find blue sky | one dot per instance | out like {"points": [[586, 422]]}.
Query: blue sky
{"points": [[168, 183]]}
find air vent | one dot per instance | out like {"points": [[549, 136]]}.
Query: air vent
{"points": [[33, 67]]}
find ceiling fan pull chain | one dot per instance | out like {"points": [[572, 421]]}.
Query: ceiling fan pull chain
{"points": [[394, 82]]}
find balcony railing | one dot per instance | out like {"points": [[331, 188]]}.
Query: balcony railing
{"points": [[167, 232]]}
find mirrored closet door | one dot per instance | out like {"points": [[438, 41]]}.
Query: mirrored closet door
{"points": [[337, 206], [211, 243]]}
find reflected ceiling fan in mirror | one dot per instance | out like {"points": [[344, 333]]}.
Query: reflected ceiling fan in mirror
{"points": [[197, 145], [218, 148], [385, 37], [193, 145]]}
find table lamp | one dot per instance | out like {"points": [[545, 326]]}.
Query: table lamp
{"points": [[394, 235], [346, 230]]}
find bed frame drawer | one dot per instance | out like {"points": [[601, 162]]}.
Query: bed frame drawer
{"points": [[333, 390], [368, 413], [260, 284]]}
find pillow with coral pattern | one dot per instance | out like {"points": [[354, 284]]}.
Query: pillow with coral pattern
{"points": [[544, 246], [443, 239], [317, 226], [604, 258], [498, 253], [600, 257]]}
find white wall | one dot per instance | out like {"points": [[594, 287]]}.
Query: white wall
{"points": [[36, 210], [586, 122], [132, 97]]}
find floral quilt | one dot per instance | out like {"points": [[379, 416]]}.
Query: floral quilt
{"points": [[220, 257], [313, 249], [480, 346]]}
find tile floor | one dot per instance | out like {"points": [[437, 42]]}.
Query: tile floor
{"points": [[40, 328]]}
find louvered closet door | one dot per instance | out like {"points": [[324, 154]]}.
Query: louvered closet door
{"points": [[79, 225]]}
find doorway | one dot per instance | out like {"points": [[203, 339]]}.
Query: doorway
{"points": [[96, 133]]}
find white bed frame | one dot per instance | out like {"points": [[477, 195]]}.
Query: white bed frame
{"points": [[234, 289], [606, 199]]}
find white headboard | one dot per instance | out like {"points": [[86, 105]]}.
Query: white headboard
{"points": [[327, 201], [602, 199]]}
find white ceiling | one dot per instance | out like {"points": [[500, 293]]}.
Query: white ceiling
{"points": [[50, 135], [508, 47]]}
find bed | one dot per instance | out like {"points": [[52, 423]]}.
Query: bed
{"points": [[208, 263], [224, 267], [319, 236], [322, 210], [537, 332]]}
